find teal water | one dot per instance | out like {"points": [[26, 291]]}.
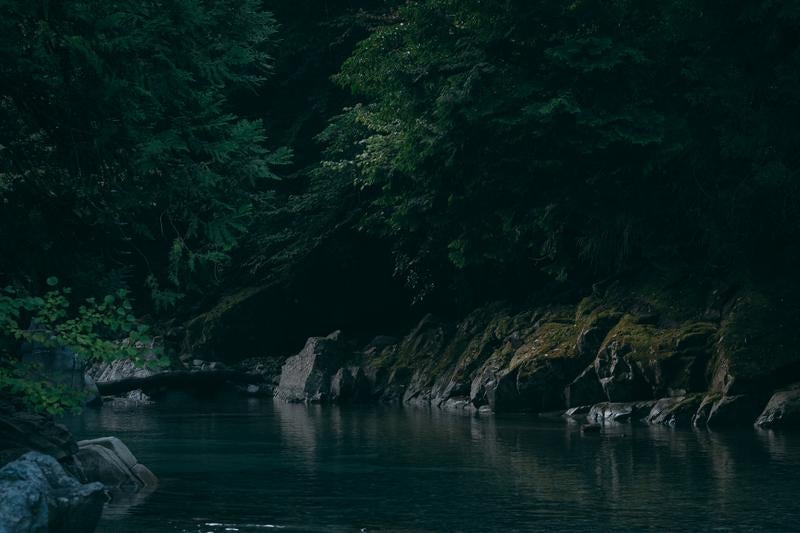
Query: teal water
{"points": [[255, 466]]}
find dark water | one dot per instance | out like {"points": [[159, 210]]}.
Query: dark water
{"points": [[251, 465]]}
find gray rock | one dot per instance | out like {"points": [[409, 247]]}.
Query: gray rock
{"points": [[621, 380], [585, 389], [501, 392], [620, 411], [350, 385], [306, 377], [541, 382], [782, 410], [700, 417], [131, 399], [739, 410], [342, 384], [675, 412], [458, 404], [116, 446], [37, 495], [263, 389], [578, 412], [101, 464], [145, 475], [396, 384], [110, 462], [103, 373]]}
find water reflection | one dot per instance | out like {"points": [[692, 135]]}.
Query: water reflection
{"points": [[250, 464]]}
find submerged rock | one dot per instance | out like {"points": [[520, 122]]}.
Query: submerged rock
{"points": [[782, 410], [37, 495], [134, 398], [110, 462]]}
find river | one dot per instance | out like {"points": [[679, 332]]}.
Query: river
{"points": [[254, 465]]}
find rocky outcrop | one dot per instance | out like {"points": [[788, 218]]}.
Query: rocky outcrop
{"points": [[782, 410], [110, 462], [308, 376], [37, 495], [644, 353], [638, 359]]}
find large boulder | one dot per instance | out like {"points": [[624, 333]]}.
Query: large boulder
{"points": [[306, 377], [530, 369], [110, 462], [675, 411], [37, 495], [782, 410]]}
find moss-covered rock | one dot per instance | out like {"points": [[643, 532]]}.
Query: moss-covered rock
{"points": [[640, 360], [759, 341]]}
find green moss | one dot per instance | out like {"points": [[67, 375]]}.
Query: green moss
{"points": [[586, 307], [647, 341]]}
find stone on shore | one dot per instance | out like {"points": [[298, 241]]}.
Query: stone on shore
{"points": [[37, 495], [306, 377], [782, 410]]}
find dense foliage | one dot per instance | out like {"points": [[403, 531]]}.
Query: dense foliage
{"points": [[122, 152], [94, 331], [497, 139], [471, 149]]}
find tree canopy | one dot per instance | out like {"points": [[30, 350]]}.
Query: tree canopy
{"points": [[470, 150]]}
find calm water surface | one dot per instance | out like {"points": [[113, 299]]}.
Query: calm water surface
{"points": [[255, 466]]}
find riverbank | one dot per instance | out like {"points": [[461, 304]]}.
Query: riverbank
{"points": [[680, 352]]}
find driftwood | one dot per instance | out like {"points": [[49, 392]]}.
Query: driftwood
{"points": [[176, 379]]}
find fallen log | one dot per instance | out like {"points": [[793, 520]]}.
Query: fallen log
{"points": [[177, 379]]}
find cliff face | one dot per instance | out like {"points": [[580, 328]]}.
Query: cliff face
{"points": [[713, 357]]}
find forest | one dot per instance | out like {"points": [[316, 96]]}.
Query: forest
{"points": [[358, 163]]}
